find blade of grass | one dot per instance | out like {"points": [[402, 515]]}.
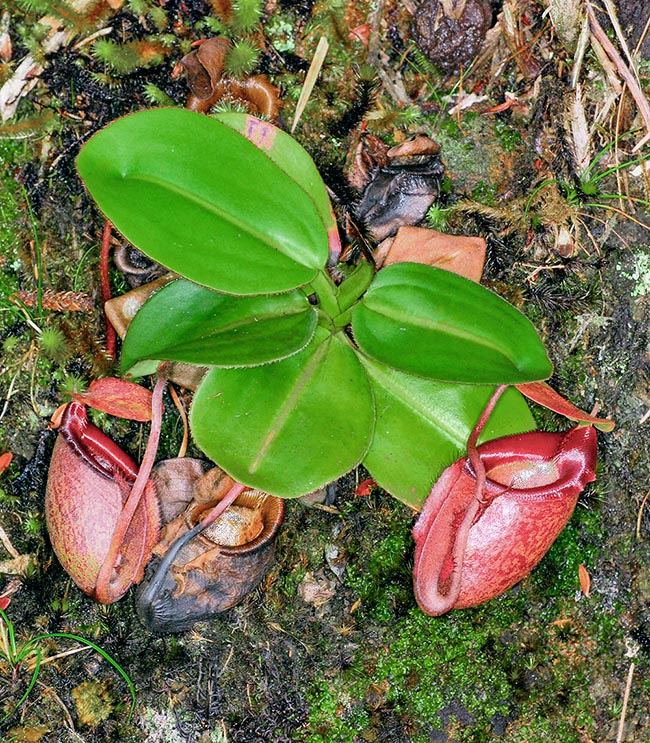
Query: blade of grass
{"points": [[310, 80]]}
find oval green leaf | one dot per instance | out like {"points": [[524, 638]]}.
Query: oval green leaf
{"points": [[288, 155], [189, 323], [422, 426], [289, 427], [198, 197], [433, 323]]}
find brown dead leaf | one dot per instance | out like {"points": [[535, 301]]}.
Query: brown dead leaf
{"points": [[585, 580], [316, 589], [203, 66], [5, 461], [459, 254]]}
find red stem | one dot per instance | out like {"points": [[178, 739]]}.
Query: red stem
{"points": [[472, 441], [103, 593], [111, 335]]}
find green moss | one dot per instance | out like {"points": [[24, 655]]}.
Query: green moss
{"points": [[507, 666], [509, 136], [335, 715], [381, 579], [484, 193]]}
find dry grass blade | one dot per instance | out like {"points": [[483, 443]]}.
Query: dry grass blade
{"points": [[613, 17], [310, 80], [639, 517], [620, 736], [7, 543], [622, 69], [186, 431], [32, 662]]}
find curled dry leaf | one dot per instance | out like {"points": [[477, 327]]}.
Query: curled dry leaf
{"points": [[203, 68], [117, 397], [459, 254], [420, 144], [121, 310]]}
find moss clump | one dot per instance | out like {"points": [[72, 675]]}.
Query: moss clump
{"points": [[94, 702], [382, 581], [335, 716]]}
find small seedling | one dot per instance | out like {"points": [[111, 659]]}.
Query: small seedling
{"points": [[30, 655]]}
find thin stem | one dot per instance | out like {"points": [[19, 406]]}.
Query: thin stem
{"points": [[103, 593], [626, 697], [472, 450], [111, 335], [39, 256], [325, 290]]}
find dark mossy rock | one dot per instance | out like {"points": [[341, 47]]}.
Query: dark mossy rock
{"points": [[451, 35]]}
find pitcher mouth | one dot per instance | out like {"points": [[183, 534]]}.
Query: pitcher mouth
{"points": [[268, 510]]}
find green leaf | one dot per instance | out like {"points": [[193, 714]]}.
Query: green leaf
{"points": [[433, 323], [189, 323], [422, 426], [289, 427], [204, 201], [288, 155]]}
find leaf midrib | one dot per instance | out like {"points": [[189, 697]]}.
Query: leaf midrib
{"points": [[276, 423], [445, 329], [217, 212]]}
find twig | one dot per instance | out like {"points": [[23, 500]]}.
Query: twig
{"points": [[111, 336], [639, 516], [10, 393], [581, 48], [179, 406], [51, 693], [622, 69], [626, 697], [613, 17]]}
